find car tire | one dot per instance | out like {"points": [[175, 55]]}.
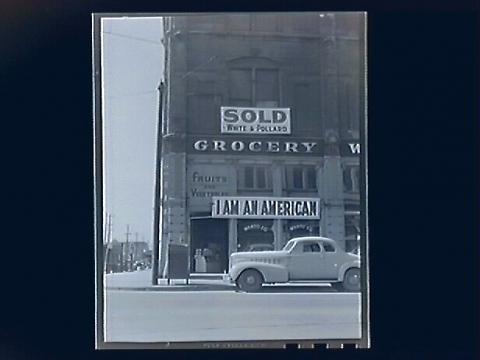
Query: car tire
{"points": [[351, 280], [250, 280]]}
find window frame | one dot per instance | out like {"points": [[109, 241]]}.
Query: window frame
{"points": [[290, 177], [253, 70], [267, 173]]}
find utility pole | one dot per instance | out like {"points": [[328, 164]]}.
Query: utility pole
{"points": [[157, 194], [107, 240], [135, 247], [109, 228], [127, 235]]}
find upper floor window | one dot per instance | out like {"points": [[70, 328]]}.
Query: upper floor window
{"points": [[254, 82], [254, 178], [301, 177], [203, 105]]}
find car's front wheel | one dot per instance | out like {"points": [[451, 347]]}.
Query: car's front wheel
{"points": [[351, 280], [250, 280]]}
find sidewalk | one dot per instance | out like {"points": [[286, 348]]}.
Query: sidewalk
{"points": [[142, 280]]}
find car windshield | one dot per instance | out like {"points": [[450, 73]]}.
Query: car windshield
{"points": [[288, 245]]}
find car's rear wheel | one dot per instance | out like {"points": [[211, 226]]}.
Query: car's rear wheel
{"points": [[351, 280], [250, 280]]}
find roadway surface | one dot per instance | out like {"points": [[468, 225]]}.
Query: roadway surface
{"points": [[272, 314]]}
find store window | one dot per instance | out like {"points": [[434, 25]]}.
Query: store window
{"points": [[301, 178], [254, 87], [299, 228], [255, 235], [254, 178], [351, 179]]}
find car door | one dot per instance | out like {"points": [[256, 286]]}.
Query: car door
{"points": [[331, 261], [306, 260]]}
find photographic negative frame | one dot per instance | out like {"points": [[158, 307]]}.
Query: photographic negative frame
{"points": [[333, 157]]}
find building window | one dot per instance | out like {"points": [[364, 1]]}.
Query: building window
{"points": [[351, 179], [352, 231], [254, 235], [255, 178], [301, 178], [349, 109], [299, 228], [256, 87], [202, 108]]}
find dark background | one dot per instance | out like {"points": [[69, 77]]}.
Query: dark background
{"points": [[423, 180]]}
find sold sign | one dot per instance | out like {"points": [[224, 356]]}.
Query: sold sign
{"points": [[240, 120]]}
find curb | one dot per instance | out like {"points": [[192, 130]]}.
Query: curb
{"points": [[179, 287]]}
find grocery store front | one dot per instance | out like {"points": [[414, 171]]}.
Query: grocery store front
{"points": [[266, 223]]}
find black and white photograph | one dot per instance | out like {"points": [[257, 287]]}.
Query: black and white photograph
{"points": [[240, 180], [231, 179]]}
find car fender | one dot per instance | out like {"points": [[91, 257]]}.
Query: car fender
{"points": [[348, 265], [271, 272]]}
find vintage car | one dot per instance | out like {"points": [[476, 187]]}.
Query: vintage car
{"points": [[303, 259]]}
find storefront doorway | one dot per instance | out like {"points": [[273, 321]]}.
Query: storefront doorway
{"points": [[209, 245]]}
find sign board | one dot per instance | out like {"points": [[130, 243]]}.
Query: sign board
{"points": [[265, 207], [207, 180], [262, 121], [266, 145], [262, 145]]}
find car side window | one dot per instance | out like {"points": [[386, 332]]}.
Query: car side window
{"points": [[328, 247], [311, 247]]}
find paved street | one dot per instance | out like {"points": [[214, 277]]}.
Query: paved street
{"points": [[145, 316]]}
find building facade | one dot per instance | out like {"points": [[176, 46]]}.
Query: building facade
{"points": [[260, 136]]}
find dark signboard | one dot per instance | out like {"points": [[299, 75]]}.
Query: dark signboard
{"points": [[247, 145]]}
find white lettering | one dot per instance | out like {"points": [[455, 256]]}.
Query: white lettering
{"points": [[200, 145], [238, 146], [254, 146], [308, 146], [219, 145], [273, 146], [354, 148], [291, 147]]}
